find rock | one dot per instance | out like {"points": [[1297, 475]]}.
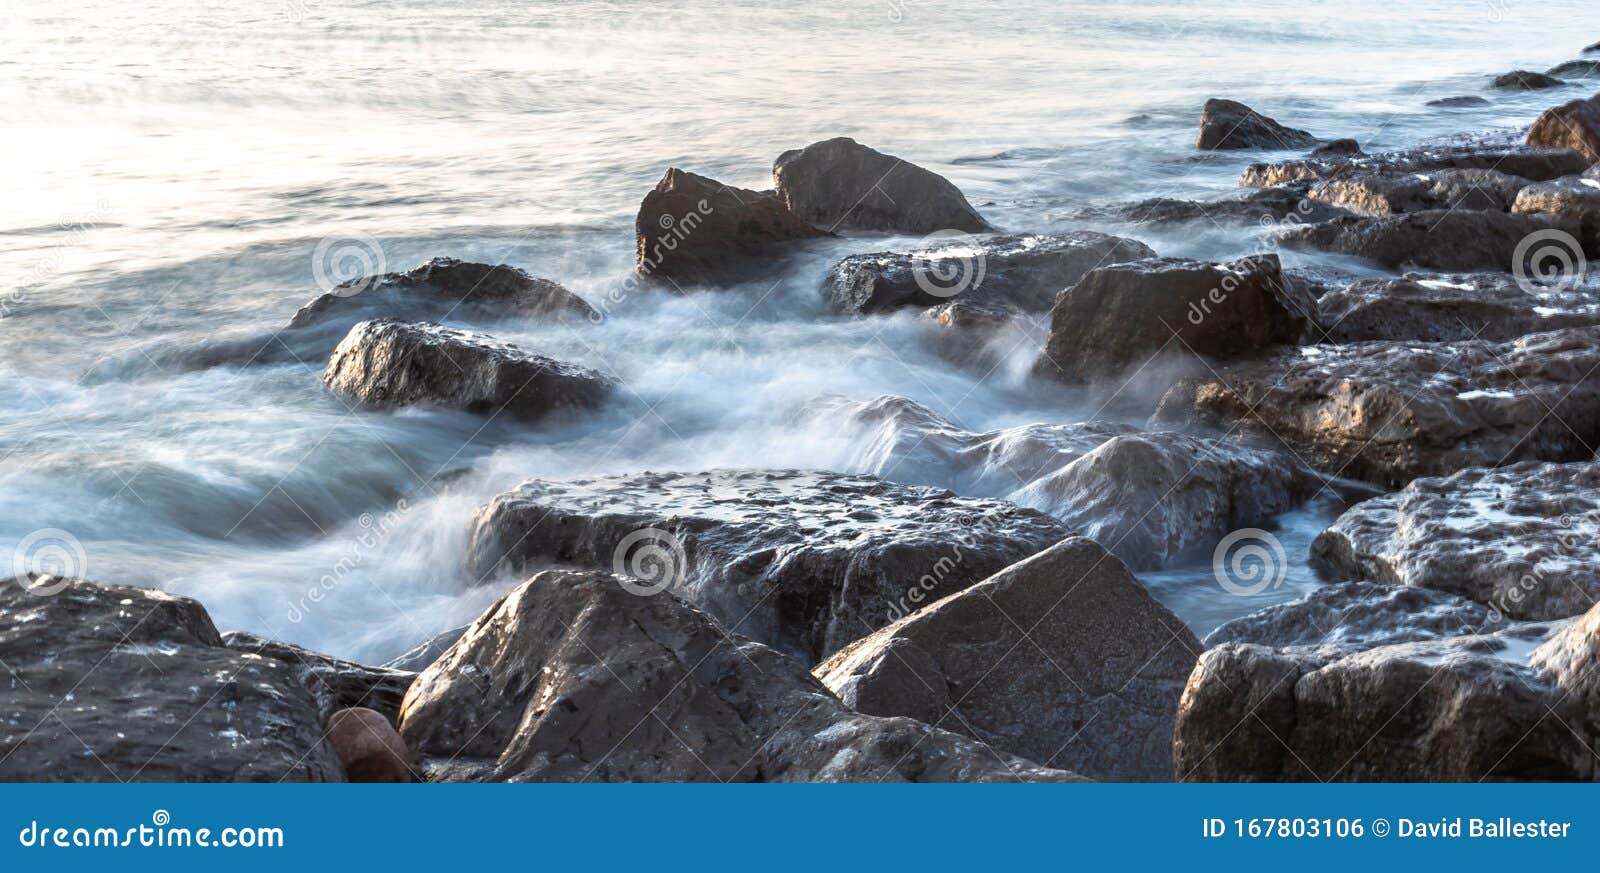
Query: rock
{"points": [[1574, 125], [1459, 102], [1394, 193], [369, 748], [1523, 80], [801, 561], [1518, 539], [1354, 616], [1263, 206], [572, 678], [386, 364], [692, 230], [1063, 658], [1579, 69], [1593, 48], [1573, 197], [1457, 306], [1025, 271], [1225, 124], [981, 335], [111, 683], [1389, 412], [1571, 661], [1532, 161], [440, 289], [337, 683], [1444, 239], [841, 183], [1338, 147], [417, 658], [1122, 316]]}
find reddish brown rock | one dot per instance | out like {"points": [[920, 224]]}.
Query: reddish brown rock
{"points": [[368, 747], [1574, 125]]}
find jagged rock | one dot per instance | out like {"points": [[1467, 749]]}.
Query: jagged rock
{"points": [[1064, 658], [1338, 147], [1120, 317], [801, 561], [1532, 161], [1353, 616], [692, 230], [1461, 102], [337, 683], [1225, 124], [1577, 198], [1266, 205], [1396, 193], [1518, 539], [1389, 412], [112, 683], [418, 657], [1025, 271], [1573, 125], [1582, 68], [439, 289], [1524, 80], [572, 678], [385, 364], [1436, 308], [842, 183], [1446, 239], [369, 748]]}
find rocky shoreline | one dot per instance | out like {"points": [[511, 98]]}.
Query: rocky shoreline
{"points": [[978, 620]]}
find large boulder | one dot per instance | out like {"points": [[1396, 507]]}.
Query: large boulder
{"points": [[571, 677], [692, 230], [1226, 124], [107, 683], [802, 561], [1120, 317], [1534, 162], [840, 183], [1520, 540], [337, 683], [1396, 193], [386, 363], [1435, 308], [443, 288], [1389, 412], [1573, 197], [1573, 125], [1064, 658], [1025, 271], [1441, 239], [1525, 80]]}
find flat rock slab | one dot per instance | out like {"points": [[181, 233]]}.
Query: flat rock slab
{"points": [[1063, 658], [802, 561], [443, 288], [572, 678], [1577, 198], [1437, 308], [1536, 162], [840, 183], [1263, 206], [1439, 239], [385, 364], [1352, 616], [1374, 194]]}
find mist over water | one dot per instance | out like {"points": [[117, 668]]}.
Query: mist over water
{"points": [[175, 166]]}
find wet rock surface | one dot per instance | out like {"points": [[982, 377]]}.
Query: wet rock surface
{"points": [[1576, 198], [1464, 101], [386, 364], [109, 683], [1525, 80], [802, 561], [1534, 161], [840, 183], [337, 683], [1573, 125], [1433, 308], [1062, 658], [440, 289], [1260, 206], [1352, 616], [1375, 194], [572, 678], [1227, 124], [692, 230], [1442, 239]]}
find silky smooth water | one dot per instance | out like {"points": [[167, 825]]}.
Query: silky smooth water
{"points": [[180, 173]]}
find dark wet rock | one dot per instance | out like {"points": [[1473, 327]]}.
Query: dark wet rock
{"points": [[1225, 124], [386, 364], [1348, 147], [982, 335], [802, 561], [1573, 197], [418, 657], [1533, 161], [1025, 271], [1470, 100], [692, 230], [1352, 616], [1396, 193], [107, 683], [842, 183], [1524, 80], [1570, 659], [572, 678], [1064, 658], [1261, 206], [1582, 68], [1443, 239], [337, 683], [1120, 317], [1456, 306], [1519, 539], [1574, 125], [369, 748], [440, 289], [1592, 49], [1389, 412]]}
